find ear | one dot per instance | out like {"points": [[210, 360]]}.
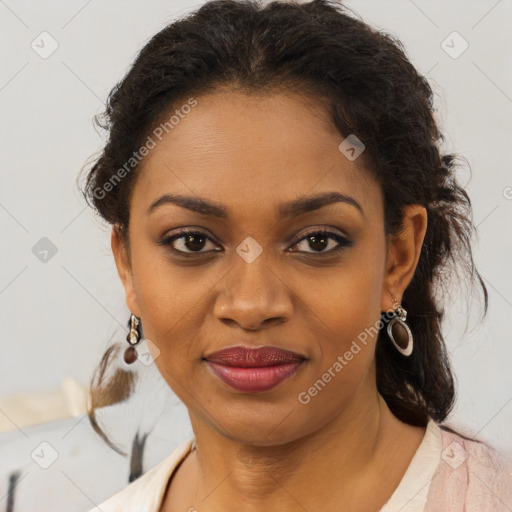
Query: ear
{"points": [[403, 255], [124, 269]]}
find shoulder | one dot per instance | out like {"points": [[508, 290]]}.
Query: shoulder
{"points": [[472, 475], [145, 494]]}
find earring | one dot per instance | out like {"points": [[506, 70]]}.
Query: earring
{"points": [[399, 332], [133, 337]]}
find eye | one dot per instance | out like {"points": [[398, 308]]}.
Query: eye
{"points": [[321, 239], [188, 242]]}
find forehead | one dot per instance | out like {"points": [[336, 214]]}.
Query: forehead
{"points": [[250, 150]]}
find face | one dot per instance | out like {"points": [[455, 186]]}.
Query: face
{"points": [[257, 271]]}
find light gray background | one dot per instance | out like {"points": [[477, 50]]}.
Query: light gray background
{"points": [[58, 316]]}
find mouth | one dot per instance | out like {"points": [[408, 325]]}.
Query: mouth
{"points": [[254, 370]]}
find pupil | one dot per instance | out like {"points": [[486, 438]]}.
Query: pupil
{"points": [[192, 237], [317, 240]]}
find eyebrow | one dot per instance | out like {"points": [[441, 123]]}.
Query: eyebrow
{"points": [[290, 209]]}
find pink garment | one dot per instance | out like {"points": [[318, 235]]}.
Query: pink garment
{"points": [[471, 477]]}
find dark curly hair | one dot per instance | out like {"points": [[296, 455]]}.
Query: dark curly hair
{"points": [[372, 90]]}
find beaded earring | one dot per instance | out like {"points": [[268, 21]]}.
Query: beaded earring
{"points": [[133, 337]]}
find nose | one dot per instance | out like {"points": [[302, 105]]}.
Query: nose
{"points": [[253, 294]]}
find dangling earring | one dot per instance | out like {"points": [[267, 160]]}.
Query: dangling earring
{"points": [[399, 332], [133, 337]]}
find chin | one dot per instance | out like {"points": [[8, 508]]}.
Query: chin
{"points": [[266, 425]]}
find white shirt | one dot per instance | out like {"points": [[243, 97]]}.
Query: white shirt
{"points": [[411, 493], [146, 493]]}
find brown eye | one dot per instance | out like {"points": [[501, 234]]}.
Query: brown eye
{"points": [[320, 240], [188, 242]]}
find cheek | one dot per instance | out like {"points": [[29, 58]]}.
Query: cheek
{"points": [[344, 359], [349, 300], [350, 316], [347, 352], [169, 299]]}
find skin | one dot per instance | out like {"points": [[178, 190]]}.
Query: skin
{"points": [[267, 451]]}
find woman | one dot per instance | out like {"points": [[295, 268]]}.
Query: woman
{"points": [[283, 224]]}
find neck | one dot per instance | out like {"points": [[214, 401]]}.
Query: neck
{"points": [[337, 462]]}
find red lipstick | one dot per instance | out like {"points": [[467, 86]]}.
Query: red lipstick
{"points": [[254, 370]]}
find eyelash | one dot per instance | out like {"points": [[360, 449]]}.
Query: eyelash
{"points": [[342, 241]]}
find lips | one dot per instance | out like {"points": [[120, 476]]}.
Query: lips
{"points": [[254, 370], [244, 357]]}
